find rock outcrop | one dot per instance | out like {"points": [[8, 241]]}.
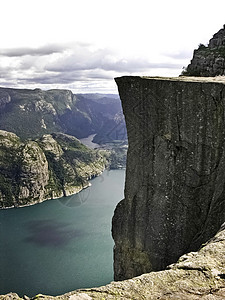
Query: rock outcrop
{"points": [[197, 275], [209, 60], [175, 183], [53, 166]]}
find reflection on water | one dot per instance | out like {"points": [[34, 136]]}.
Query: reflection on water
{"points": [[88, 141], [76, 199], [50, 233]]}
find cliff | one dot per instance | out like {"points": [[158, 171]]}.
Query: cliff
{"points": [[53, 166], [197, 275], [174, 191], [209, 60]]}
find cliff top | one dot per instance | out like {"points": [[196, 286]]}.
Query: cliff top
{"points": [[217, 79], [220, 79]]}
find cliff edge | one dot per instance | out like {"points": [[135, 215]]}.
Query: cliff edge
{"points": [[175, 183]]}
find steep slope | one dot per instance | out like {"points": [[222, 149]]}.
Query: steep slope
{"points": [[53, 166], [23, 171], [175, 181], [209, 60]]}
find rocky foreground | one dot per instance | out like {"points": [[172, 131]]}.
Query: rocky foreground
{"points": [[196, 275]]}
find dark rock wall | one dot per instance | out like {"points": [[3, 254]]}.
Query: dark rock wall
{"points": [[174, 192]]}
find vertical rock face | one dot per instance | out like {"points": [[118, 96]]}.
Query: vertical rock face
{"points": [[34, 174], [175, 177]]}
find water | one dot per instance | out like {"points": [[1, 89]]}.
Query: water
{"points": [[88, 141], [63, 244]]}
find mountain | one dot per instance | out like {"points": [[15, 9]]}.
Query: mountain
{"points": [[52, 166], [209, 60], [40, 155], [33, 113]]}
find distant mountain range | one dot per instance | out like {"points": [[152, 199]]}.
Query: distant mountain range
{"points": [[33, 113]]}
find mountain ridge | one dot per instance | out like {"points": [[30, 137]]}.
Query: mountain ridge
{"points": [[32, 113]]}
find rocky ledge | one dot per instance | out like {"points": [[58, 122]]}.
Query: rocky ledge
{"points": [[196, 275]]}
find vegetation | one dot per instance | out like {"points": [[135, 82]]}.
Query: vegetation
{"points": [[33, 113], [53, 166], [38, 162]]}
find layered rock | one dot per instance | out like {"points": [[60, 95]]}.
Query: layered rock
{"points": [[209, 60], [174, 191]]}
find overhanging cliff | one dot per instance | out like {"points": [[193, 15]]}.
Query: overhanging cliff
{"points": [[175, 177]]}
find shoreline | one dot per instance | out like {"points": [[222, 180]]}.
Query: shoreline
{"points": [[55, 198], [31, 204]]}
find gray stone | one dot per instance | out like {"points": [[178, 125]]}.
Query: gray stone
{"points": [[174, 191]]}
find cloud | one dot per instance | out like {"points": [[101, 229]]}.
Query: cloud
{"points": [[67, 65], [182, 54], [103, 59], [44, 50]]}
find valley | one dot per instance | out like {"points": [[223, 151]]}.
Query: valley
{"points": [[41, 156]]}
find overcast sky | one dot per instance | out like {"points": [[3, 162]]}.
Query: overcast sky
{"points": [[83, 44]]}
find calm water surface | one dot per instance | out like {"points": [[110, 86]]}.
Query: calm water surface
{"points": [[61, 245], [88, 141]]}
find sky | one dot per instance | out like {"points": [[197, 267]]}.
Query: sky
{"points": [[82, 45]]}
